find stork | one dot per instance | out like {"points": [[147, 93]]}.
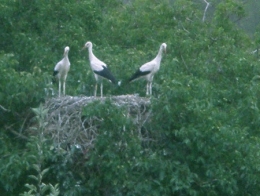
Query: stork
{"points": [[99, 69], [61, 70], [148, 70]]}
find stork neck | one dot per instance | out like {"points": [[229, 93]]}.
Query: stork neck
{"points": [[90, 53], [66, 58], [159, 55], [66, 55]]}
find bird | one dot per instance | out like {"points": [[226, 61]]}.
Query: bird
{"points": [[61, 70], [148, 70], [99, 69]]}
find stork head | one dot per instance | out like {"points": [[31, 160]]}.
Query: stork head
{"points": [[87, 45], [66, 50], [163, 47]]}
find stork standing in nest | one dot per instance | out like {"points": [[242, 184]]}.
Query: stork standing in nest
{"points": [[99, 69], [148, 70], [61, 70]]}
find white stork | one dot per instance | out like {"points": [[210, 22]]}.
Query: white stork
{"points": [[61, 70], [148, 70], [99, 69]]}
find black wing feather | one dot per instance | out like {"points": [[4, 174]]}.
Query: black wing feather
{"points": [[55, 73], [54, 76], [105, 73], [138, 74]]}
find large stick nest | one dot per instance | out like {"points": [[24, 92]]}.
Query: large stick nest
{"points": [[67, 126]]}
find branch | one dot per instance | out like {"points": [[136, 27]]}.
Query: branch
{"points": [[16, 133], [184, 63], [255, 52], [206, 8], [6, 110], [184, 29]]}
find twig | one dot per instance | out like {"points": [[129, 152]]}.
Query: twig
{"points": [[184, 62], [204, 15], [185, 29], [16, 133], [6, 110]]}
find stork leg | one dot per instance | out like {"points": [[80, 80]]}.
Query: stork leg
{"points": [[95, 90], [150, 88], [64, 84], [59, 87], [101, 89], [147, 88], [64, 87]]}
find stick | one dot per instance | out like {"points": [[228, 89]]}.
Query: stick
{"points": [[6, 110], [204, 15], [16, 133]]}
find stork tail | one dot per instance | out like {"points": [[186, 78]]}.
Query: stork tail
{"points": [[138, 74]]}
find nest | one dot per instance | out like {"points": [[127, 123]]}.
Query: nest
{"points": [[67, 126]]}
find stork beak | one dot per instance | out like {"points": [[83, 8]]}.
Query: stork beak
{"points": [[165, 51], [83, 48]]}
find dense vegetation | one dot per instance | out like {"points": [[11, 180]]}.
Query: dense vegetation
{"points": [[205, 126]]}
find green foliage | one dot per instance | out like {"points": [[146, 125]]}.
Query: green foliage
{"points": [[129, 23], [204, 129], [203, 134], [20, 90], [38, 144], [115, 151]]}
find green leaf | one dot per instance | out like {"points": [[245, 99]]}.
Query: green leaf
{"points": [[45, 171], [34, 177]]}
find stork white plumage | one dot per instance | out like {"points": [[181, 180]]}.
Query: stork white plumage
{"points": [[148, 70], [99, 69], [61, 70]]}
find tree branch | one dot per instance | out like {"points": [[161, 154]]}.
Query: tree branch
{"points": [[16, 133], [206, 8], [184, 63], [6, 110]]}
